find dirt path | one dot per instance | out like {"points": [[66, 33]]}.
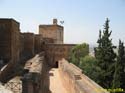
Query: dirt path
{"points": [[55, 82]]}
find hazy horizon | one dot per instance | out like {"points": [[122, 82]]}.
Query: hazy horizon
{"points": [[82, 18]]}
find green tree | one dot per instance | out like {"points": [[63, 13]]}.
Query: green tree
{"points": [[119, 75], [89, 67], [105, 55], [78, 52]]}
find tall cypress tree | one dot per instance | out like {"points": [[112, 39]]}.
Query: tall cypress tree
{"points": [[105, 56], [119, 75]]}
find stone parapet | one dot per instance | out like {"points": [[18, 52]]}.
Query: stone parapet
{"points": [[75, 81]]}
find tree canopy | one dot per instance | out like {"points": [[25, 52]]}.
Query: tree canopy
{"points": [[105, 55]]}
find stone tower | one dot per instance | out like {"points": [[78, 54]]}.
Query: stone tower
{"points": [[52, 31], [9, 40]]}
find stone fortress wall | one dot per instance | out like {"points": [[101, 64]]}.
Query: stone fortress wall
{"points": [[9, 40], [28, 42], [16, 47], [55, 52]]}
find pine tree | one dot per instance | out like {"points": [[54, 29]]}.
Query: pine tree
{"points": [[105, 55], [119, 75]]}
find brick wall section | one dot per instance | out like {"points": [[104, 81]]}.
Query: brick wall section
{"points": [[15, 41], [9, 40], [55, 52], [75, 81], [29, 39], [38, 43], [21, 46]]}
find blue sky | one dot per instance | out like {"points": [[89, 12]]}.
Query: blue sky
{"points": [[82, 18]]}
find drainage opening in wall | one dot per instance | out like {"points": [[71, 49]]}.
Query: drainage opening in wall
{"points": [[56, 64]]}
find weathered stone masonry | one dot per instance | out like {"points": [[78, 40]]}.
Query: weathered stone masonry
{"points": [[55, 52], [28, 44], [75, 81], [48, 44], [9, 40], [52, 31]]}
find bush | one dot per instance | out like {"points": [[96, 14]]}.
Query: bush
{"points": [[78, 52]]}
